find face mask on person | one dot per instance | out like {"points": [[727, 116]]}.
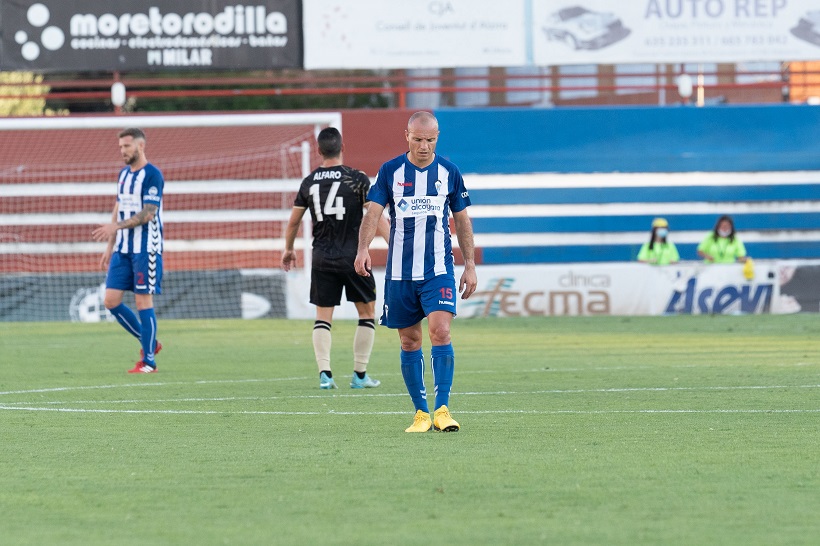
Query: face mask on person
{"points": [[724, 232], [663, 232]]}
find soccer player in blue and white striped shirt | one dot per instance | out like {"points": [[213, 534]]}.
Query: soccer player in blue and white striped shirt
{"points": [[133, 256], [420, 189]]}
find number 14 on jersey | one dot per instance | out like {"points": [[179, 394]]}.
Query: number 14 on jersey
{"points": [[333, 206]]}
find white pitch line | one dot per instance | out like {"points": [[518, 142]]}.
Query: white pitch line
{"points": [[375, 413], [219, 399], [191, 412], [394, 395], [164, 384], [276, 379]]}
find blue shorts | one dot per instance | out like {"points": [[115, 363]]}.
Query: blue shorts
{"points": [[407, 302], [140, 273]]}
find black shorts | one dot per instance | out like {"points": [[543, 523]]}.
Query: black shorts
{"points": [[326, 288]]}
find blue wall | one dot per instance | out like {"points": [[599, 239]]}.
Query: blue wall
{"points": [[723, 139], [632, 139]]}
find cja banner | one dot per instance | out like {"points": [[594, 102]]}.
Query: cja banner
{"points": [[418, 34]]}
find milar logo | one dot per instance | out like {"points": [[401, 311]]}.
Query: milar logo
{"points": [[724, 300]]}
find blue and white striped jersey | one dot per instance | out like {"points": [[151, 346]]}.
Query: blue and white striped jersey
{"points": [[135, 190], [419, 202]]}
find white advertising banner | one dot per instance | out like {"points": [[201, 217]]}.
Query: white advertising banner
{"points": [[674, 31], [417, 34], [621, 289]]}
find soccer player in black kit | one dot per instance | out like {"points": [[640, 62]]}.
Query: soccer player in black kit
{"points": [[336, 195]]}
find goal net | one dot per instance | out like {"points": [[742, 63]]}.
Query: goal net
{"points": [[230, 181]]}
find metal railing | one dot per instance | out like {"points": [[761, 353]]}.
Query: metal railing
{"points": [[396, 88]]}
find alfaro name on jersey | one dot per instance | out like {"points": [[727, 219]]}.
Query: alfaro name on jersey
{"points": [[419, 202], [134, 191]]}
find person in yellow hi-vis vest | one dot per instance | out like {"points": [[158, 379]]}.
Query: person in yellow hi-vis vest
{"points": [[659, 250], [722, 245]]}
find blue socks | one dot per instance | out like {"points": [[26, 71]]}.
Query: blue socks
{"points": [[143, 328], [148, 335], [443, 367], [412, 370], [127, 319]]}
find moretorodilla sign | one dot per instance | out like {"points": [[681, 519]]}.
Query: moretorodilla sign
{"points": [[66, 35]]}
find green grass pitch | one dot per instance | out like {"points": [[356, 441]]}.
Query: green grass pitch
{"points": [[670, 430]]}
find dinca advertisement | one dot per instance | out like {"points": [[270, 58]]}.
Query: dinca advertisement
{"points": [[66, 35], [619, 289], [625, 289]]}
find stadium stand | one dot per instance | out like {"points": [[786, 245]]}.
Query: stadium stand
{"points": [[606, 217], [225, 201], [605, 173], [548, 186]]}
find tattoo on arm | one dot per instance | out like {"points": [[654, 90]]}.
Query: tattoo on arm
{"points": [[144, 216]]}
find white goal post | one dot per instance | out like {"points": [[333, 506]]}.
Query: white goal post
{"points": [[230, 182], [317, 119]]}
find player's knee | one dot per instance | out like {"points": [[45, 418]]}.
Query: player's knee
{"points": [[409, 347], [410, 343], [366, 309], [440, 334], [111, 302], [144, 301]]}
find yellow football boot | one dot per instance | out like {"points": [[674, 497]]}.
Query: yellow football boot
{"points": [[443, 421], [421, 422]]}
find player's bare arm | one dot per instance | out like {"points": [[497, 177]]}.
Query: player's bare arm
{"points": [[289, 255], [383, 227], [109, 249], [367, 231], [464, 231], [107, 231]]}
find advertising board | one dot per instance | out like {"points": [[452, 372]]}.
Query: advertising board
{"points": [[97, 35]]}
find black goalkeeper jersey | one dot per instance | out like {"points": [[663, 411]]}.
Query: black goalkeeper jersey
{"points": [[335, 197]]}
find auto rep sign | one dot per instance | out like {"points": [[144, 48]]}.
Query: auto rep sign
{"points": [[674, 31], [55, 35]]}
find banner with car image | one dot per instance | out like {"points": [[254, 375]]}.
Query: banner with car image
{"points": [[674, 31]]}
